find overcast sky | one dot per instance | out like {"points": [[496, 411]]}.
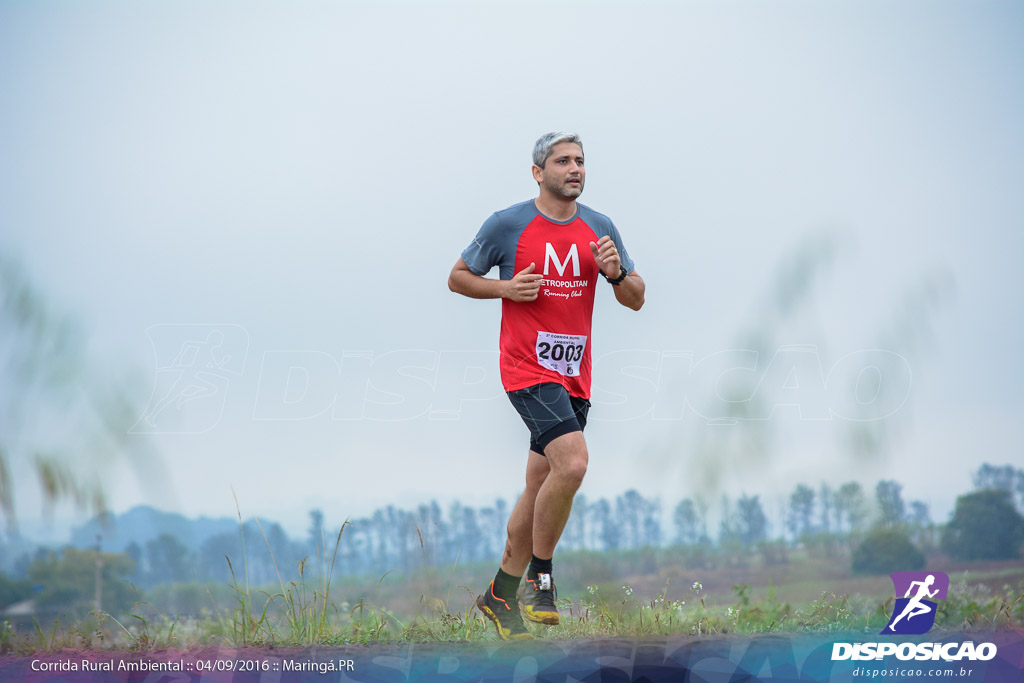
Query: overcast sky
{"points": [[254, 207]]}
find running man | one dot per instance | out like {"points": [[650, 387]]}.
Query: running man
{"points": [[549, 252], [915, 606]]}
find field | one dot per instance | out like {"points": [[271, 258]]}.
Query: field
{"points": [[600, 598]]}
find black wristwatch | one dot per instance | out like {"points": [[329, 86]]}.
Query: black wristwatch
{"points": [[622, 276]]}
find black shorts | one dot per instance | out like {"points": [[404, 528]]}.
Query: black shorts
{"points": [[549, 412]]}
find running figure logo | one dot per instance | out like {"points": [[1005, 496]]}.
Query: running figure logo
{"points": [[914, 613], [194, 364]]}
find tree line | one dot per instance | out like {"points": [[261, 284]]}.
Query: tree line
{"points": [[877, 529]]}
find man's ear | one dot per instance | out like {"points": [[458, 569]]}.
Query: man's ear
{"points": [[538, 173]]}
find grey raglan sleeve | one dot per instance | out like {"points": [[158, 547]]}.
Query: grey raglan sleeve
{"points": [[626, 261], [487, 248]]}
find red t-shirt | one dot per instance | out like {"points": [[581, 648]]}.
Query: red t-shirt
{"points": [[548, 339]]}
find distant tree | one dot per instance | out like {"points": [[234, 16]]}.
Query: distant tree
{"points": [[801, 511], [686, 522], [25, 561], [382, 540], [826, 501], [890, 503], [502, 513], [728, 526], [920, 522], [985, 526], [315, 534], [13, 590], [398, 541], [629, 509], [487, 519], [275, 547], [1005, 477], [851, 506], [357, 555], [168, 560], [753, 524], [608, 530], [493, 521], [638, 520], [919, 515], [214, 554], [68, 580], [575, 535], [435, 531], [471, 533], [703, 507], [886, 550], [651, 522], [384, 533], [992, 477], [252, 559], [134, 553]]}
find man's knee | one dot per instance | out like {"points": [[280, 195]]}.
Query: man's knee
{"points": [[576, 470], [568, 456]]}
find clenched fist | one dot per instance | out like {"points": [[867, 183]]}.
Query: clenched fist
{"points": [[525, 285], [607, 257]]}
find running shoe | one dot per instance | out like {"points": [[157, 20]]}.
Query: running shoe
{"points": [[539, 597], [505, 615]]}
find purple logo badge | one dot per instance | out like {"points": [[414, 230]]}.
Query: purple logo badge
{"points": [[914, 613]]}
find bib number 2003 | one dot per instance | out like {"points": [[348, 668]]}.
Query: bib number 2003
{"points": [[562, 353]]}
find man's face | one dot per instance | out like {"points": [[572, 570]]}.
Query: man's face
{"points": [[563, 174]]}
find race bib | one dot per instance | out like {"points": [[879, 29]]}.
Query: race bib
{"points": [[562, 353]]}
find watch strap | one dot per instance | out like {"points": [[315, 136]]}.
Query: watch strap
{"points": [[622, 276]]}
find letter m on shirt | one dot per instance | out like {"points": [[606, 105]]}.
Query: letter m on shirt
{"points": [[550, 255]]}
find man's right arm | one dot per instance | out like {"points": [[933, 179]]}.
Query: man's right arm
{"points": [[523, 287]]}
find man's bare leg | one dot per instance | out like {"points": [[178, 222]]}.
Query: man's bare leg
{"points": [[567, 459], [519, 546], [499, 602]]}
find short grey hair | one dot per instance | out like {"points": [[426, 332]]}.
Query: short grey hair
{"points": [[542, 150]]}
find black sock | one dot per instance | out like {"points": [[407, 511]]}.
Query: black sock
{"points": [[506, 585], [540, 566]]}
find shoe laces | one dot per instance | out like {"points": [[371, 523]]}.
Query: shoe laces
{"points": [[546, 596]]}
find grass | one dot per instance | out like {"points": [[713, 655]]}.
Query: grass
{"points": [[300, 613]]}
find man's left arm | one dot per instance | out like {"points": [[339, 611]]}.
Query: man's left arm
{"points": [[630, 291]]}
